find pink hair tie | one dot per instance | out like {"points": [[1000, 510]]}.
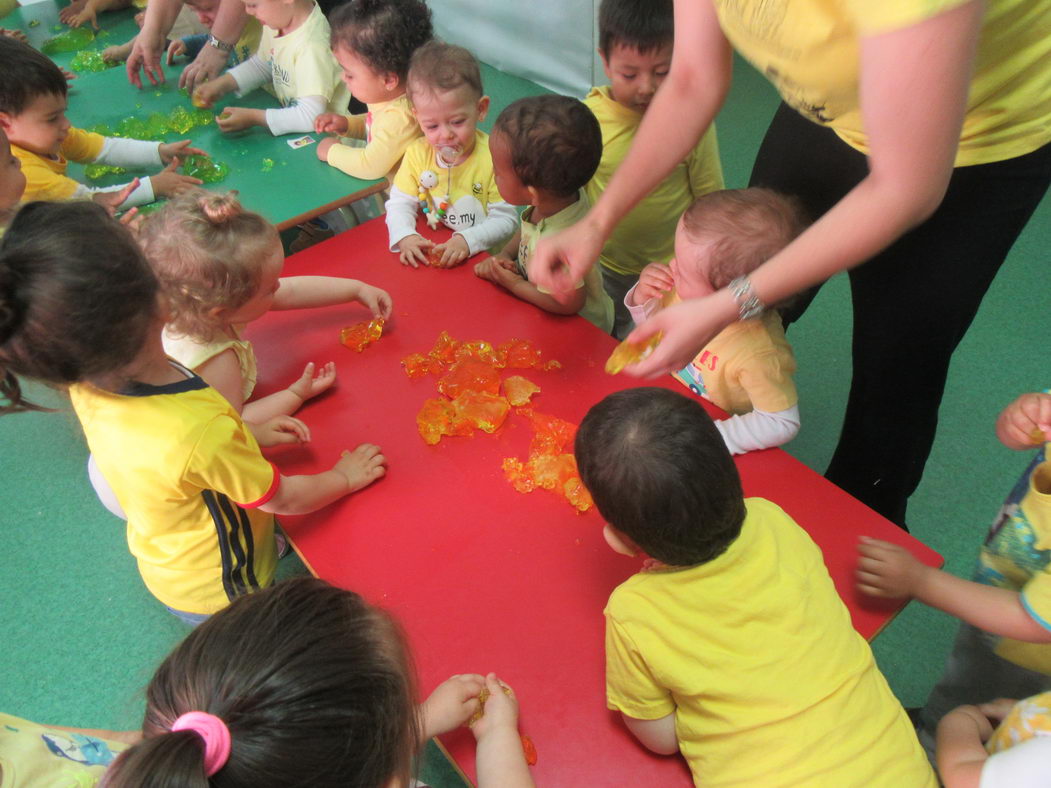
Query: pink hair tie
{"points": [[215, 734]]}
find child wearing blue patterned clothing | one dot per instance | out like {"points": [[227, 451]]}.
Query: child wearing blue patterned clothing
{"points": [[1003, 647]]}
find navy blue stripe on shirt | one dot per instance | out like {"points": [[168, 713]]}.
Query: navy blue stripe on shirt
{"points": [[224, 544]]}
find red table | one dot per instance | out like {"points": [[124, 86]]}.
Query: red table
{"points": [[482, 577]]}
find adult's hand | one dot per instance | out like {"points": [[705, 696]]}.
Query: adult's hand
{"points": [[561, 260], [146, 55], [687, 327], [208, 64]]}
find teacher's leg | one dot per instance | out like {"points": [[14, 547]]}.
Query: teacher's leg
{"points": [[912, 305]]}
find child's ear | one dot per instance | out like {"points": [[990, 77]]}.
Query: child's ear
{"points": [[5, 121], [483, 108], [534, 195], [391, 81], [619, 542]]}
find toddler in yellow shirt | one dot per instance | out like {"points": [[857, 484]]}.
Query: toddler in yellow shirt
{"points": [[746, 369], [731, 646], [373, 41], [448, 174], [33, 100], [635, 44]]}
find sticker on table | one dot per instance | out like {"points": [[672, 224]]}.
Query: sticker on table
{"points": [[300, 142]]}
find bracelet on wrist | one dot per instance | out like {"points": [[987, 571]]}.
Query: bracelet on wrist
{"points": [[748, 303], [222, 46]]}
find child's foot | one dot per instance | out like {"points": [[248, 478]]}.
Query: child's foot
{"points": [[362, 466]]}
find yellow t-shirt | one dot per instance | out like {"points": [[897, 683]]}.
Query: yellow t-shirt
{"points": [[46, 178], [755, 654], [40, 756], [388, 129], [647, 234], [302, 63], [470, 187], [746, 366], [189, 475], [809, 49], [598, 306]]}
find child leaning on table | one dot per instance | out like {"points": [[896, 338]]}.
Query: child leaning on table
{"points": [[219, 268], [732, 646], [448, 175], [746, 369], [1003, 645], [81, 308], [33, 99], [544, 150], [373, 41], [635, 44], [307, 684], [294, 58]]}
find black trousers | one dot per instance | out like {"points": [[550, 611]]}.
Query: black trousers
{"points": [[912, 303]]}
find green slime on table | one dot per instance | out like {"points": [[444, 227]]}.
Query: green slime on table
{"points": [[70, 41], [90, 60], [204, 168], [95, 171], [268, 164]]}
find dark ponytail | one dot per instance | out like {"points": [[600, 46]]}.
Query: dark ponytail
{"points": [[77, 298], [314, 684]]}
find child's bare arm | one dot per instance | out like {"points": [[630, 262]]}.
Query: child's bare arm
{"points": [[500, 760], [961, 753], [287, 401], [510, 250], [497, 271], [886, 570], [656, 735], [304, 292], [223, 373], [1026, 422], [240, 118], [308, 493]]}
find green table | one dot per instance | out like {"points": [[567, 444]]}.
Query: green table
{"points": [[288, 186]]}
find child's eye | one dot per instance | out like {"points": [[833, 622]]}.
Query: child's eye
{"points": [[628, 77]]}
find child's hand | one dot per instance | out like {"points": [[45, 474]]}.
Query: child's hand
{"points": [[451, 704], [886, 570], [996, 710], [501, 709], [1026, 422], [454, 251], [18, 35], [310, 385], [111, 201], [71, 11], [376, 300], [87, 15], [498, 270], [170, 181], [69, 76], [180, 149], [654, 281], [324, 146], [132, 219], [175, 48], [412, 250], [280, 430], [239, 119], [207, 94], [362, 466], [331, 123]]}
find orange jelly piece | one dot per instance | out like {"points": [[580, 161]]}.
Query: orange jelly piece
{"points": [[518, 390], [437, 417], [549, 466], [480, 350], [360, 335], [469, 375], [444, 348], [484, 411], [418, 365], [434, 257], [529, 749], [520, 354], [629, 352]]}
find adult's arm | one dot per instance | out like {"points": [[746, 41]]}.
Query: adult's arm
{"points": [[913, 87], [210, 61], [149, 43], [680, 113]]}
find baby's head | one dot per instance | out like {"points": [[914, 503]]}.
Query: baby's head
{"points": [[12, 179], [660, 475], [32, 98], [278, 14], [314, 685], [78, 301], [373, 41], [544, 145], [445, 88], [217, 263], [730, 233], [635, 44], [205, 10]]}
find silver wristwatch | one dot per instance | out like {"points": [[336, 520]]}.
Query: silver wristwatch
{"points": [[222, 46], [748, 303]]}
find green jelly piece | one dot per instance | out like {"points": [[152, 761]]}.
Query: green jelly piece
{"points": [[90, 60], [156, 127], [133, 128], [204, 168], [34, 23], [180, 120], [56, 28], [268, 164], [201, 117], [70, 41], [95, 171], [102, 34]]}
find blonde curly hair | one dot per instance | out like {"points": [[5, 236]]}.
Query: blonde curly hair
{"points": [[207, 252]]}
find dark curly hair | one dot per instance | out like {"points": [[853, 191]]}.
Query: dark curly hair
{"points": [[383, 33], [555, 142], [26, 74]]}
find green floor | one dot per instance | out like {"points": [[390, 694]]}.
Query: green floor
{"points": [[81, 635]]}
